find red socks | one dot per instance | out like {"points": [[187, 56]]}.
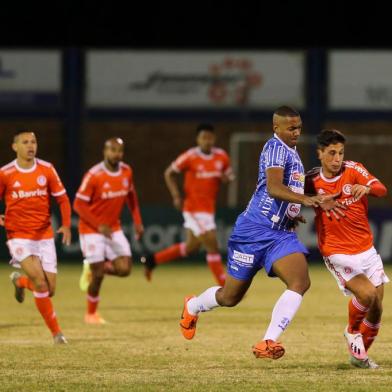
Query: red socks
{"points": [[25, 282], [214, 261], [356, 313], [45, 307], [369, 332], [176, 251]]}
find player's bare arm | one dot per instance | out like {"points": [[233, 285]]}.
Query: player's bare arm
{"points": [[171, 183], [66, 232], [2, 217], [278, 190]]}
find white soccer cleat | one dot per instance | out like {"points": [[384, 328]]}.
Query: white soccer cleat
{"points": [[355, 345], [363, 364], [59, 339]]}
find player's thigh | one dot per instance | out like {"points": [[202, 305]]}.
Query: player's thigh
{"points": [[362, 287], [233, 291], [192, 242], [32, 267], [97, 270], [293, 270], [210, 241]]}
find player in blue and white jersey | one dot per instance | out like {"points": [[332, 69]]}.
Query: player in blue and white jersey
{"points": [[263, 236]]}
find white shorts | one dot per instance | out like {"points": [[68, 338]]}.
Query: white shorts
{"points": [[97, 248], [199, 222], [20, 248], [345, 267]]}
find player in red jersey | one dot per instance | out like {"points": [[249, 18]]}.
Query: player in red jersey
{"points": [[204, 168], [104, 191], [26, 185], [347, 243]]}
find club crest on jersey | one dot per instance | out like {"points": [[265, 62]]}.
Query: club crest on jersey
{"points": [[125, 182], [348, 270], [218, 165], [41, 180], [347, 189], [296, 176], [19, 251], [321, 191]]}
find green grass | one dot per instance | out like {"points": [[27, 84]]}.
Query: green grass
{"points": [[142, 349]]}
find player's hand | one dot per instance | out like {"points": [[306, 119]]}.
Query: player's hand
{"points": [[359, 190], [2, 220], [226, 178], [105, 230], [177, 202], [66, 232], [139, 231], [332, 207]]}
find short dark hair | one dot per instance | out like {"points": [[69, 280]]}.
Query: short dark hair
{"points": [[205, 127], [19, 132], [286, 111], [330, 136]]}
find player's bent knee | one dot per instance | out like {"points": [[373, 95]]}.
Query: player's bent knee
{"points": [[300, 287], [41, 285], [123, 272]]}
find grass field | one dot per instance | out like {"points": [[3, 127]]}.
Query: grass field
{"points": [[142, 349]]}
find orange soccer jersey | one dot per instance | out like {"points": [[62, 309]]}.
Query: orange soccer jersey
{"points": [[26, 193], [106, 193], [203, 173], [351, 234]]}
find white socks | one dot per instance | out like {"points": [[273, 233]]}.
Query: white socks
{"points": [[204, 302], [284, 310]]}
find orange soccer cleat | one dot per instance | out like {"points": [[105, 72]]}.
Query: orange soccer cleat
{"points": [[188, 321], [268, 349], [93, 318]]}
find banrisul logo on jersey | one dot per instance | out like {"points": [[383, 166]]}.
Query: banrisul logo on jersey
{"points": [[27, 194]]}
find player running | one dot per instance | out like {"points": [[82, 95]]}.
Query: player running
{"points": [[347, 244], [26, 185], [104, 191], [263, 237], [205, 167]]}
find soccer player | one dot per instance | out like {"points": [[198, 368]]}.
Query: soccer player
{"points": [[26, 185], [204, 167], [263, 237], [347, 244], [104, 191]]}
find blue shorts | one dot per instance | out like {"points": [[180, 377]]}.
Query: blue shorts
{"points": [[252, 246]]}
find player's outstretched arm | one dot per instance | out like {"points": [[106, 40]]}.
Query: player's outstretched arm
{"points": [[171, 183], [65, 210], [376, 189], [133, 205]]}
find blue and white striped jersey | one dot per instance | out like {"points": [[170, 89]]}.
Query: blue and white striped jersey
{"points": [[266, 210]]}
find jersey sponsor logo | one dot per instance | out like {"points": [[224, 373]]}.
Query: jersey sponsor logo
{"points": [[296, 176], [210, 174], [113, 194], [16, 184], [125, 182], [347, 189], [243, 257], [41, 180], [361, 170], [293, 210], [27, 194], [297, 189]]}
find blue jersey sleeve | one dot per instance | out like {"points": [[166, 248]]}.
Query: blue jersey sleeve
{"points": [[275, 156]]}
